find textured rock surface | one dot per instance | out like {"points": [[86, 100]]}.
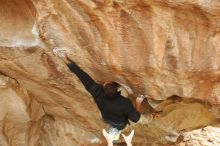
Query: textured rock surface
{"points": [[158, 48], [208, 136]]}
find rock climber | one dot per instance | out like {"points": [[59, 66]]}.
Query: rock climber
{"points": [[115, 109]]}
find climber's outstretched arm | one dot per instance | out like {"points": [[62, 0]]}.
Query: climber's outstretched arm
{"points": [[94, 88], [87, 81], [91, 86]]}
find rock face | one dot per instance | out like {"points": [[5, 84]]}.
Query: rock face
{"points": [[208, 136], [158, 48]]}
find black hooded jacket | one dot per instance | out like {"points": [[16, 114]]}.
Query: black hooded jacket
{"points": [[116, 110]]}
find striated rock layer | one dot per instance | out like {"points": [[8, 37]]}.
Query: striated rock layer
{"points": [[159, 48]]}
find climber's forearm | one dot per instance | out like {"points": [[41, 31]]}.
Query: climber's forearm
{"points": [[139, 101], [87, 81], [83, 76], [138, 107]]}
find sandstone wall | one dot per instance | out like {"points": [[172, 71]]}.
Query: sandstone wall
{"points": [[158, 48]]}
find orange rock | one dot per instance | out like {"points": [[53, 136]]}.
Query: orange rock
{"points": [[157, 48]]}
